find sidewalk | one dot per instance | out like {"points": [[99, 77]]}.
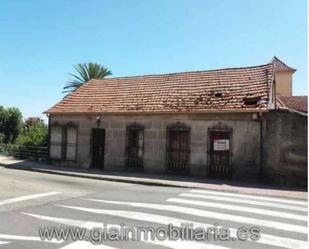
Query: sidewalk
{"points": [[155, 179]]}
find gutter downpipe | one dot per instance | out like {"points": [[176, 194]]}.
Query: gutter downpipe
{"points": [[48, 146], [261, 148]]}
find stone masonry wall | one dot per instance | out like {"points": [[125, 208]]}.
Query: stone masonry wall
{"points": [[285, 148], [245, 141]]}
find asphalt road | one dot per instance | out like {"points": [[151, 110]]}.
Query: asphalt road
{"points": [[31, 201]]}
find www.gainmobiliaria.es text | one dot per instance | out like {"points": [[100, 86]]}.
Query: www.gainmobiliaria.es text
{"points": [[123, 232]]}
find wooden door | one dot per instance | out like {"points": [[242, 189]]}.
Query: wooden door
{"points": [[98, 142]]}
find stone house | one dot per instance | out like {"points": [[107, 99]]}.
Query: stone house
{"points": [[214, 123]]}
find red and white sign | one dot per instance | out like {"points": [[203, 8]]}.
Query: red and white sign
{"points": [[221, 144]]}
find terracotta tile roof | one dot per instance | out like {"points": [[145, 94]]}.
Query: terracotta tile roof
{"points": [[231, 89], [296, 103], [281, 66]]}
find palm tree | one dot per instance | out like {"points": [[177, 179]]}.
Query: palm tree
{"points": [[85, 72]]}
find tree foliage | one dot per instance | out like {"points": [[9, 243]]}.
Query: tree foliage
{"points": [[32, 120], [10, 123], [84, 73], [34, 133]]}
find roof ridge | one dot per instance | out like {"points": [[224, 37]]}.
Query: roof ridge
{"points": [[184, 72], [276, 59], [196, 93]]}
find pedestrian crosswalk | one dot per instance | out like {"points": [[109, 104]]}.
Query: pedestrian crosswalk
{"points": [[250, 201], [252, 197], [282, 222], [237, 208], [92, 225], [203, 213]]}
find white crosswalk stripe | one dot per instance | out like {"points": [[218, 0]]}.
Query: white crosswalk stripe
{"points": [[149, 217], [240, 209], [245, 201], [165, 243], [27, 197], [255, 197], [215, 215], [25, 238], [86, 245], [92, 225], [271, 213], [3, 242], [191, 211]]}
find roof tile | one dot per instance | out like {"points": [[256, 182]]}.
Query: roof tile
{"points": [[200, 91], [297, 103]]}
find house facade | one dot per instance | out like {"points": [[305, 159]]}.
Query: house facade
{"points": [[211, 123]]}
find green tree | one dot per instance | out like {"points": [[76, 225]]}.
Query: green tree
{"points": [[3, 118], [2, 136], [84, 73], [34, 135], [10, 123]]}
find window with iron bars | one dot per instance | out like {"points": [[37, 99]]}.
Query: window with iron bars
{"points": [[63, 142], [178, 148], [134, 146]]}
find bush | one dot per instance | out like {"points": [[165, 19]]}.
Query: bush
{"points": [[34, 135]]}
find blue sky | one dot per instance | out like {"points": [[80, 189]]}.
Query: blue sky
{"points": [[40, 40]]}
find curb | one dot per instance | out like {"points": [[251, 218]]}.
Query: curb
{"points": [[150, 182], [112, 179]]}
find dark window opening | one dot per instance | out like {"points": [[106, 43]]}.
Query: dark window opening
{"points": [[135, 146], [215, 93], [251, 101]]}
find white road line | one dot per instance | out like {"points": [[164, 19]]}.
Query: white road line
{"points": [[251, 202], [65, 221], [185, 244], [3, 242], [27, 197], [86, 245], [252, 197], [281, 242], [91, 225], [29, 238], [165, 243], [207, 214], [245, 209], [247, 220]]}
